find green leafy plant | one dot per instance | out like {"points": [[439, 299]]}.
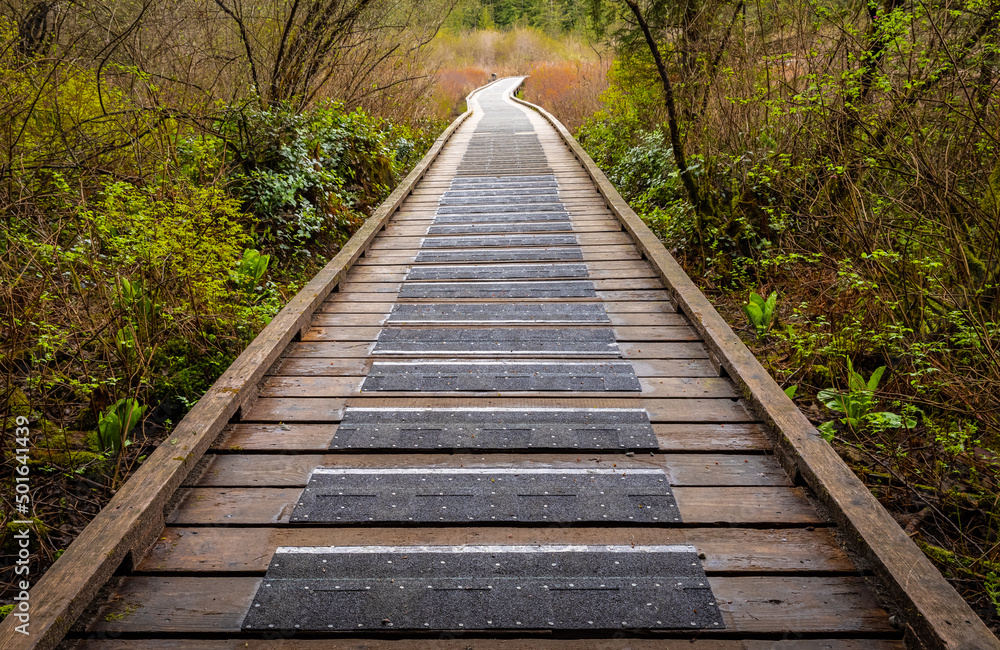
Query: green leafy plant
{"points": [[857, 404], [115, 424], [992, 585], [251, 269], [760, 312], [126, 343], [132, 297], [791, 390]]}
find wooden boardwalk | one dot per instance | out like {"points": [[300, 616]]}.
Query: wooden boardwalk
{"points": [[498, 431]]}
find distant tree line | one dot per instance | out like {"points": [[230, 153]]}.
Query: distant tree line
{"points": [[554, 16]]}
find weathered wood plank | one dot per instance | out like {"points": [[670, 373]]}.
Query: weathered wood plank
{"points": [[295, 437], [643, 295], [589, 253], [284, 470], [645, 350], [765, 604], [623, 333], [736, 505], [744, 550], [584, 239], [539, 642], [403, 229], [399, 273], [339, 303], [652, 387], [330, 316], [333, 366], [320, 409], [614, 284]]}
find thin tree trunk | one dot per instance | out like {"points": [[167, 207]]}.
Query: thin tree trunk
{"points": [[675, 137]]}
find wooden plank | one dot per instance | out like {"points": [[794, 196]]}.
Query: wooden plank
{"points": [[938, 614], [318, 332], [755, 604], [403, 229], [326, 409], [731, 550], [652, 387], [416, 203], [335, 366], [575, 215], [286, 470], [177, 604], [394, 266], [584, 239], [736, 505], [532, 643], [711, 437], [589, 253], [337, 304], [400, 273], [764, 604], [614, 284], [330, 316], [294, 437], [653, 295], [644, 350]]}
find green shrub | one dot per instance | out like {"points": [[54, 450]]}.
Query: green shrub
{"points": [[308, 175], [187, 238]]}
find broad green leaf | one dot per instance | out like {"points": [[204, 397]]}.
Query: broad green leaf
{"points": [[876, 377], [828, 430], [772, 300], [790, 391], [855, 382], [114, 425], [887, 419], [834, 400]]}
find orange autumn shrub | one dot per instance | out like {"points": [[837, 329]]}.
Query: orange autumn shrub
{"points": [[451, 85], [570, 90]]}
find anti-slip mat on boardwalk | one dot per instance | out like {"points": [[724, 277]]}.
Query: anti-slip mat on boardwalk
{"points": [[497, 272], [563, 341], [536, 290], [502, 417], [479, 375], [500, 255], [499, 313], [500, 588], [494, 429], [485, 495]]}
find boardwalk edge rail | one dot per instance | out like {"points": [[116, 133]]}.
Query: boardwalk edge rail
{"points": [[131, 521], [937, 615]]}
